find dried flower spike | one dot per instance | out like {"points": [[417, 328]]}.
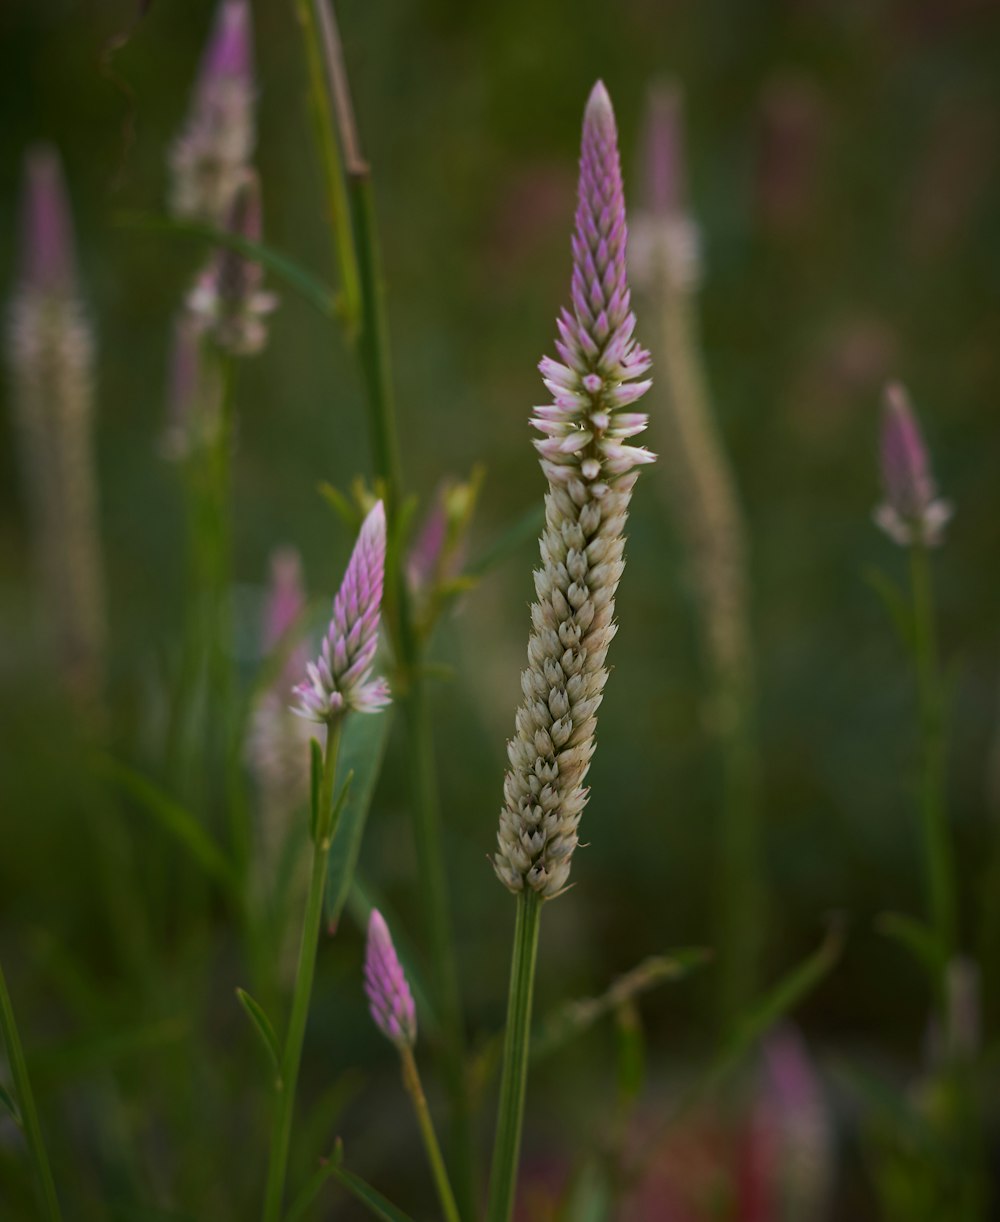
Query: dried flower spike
{"points": [[911, 512], [339, 680], [591, 472], [210, 156], [228, 300], [389, 997]]}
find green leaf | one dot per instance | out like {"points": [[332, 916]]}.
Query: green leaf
{"points": [[780, 1000], [315, 785], [8, 1103], [343, 506], [172, 817], [333, 1168], [894, 602], [915, 936], [574, 1017], [526, 528], [374, 1201], [591, 1194], [631, 1051], [362, 748], [262, 1025], [314, 291]]}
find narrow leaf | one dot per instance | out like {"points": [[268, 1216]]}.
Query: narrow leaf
{"points": [[362, 749], [916, 938], [172, 817], [525, 529], [631, 1051], [774, 1005], [314, 291], [9, 1105], [262, 1025], [374, 1201], [575, 1017]]}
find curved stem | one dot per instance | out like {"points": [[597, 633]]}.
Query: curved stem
{"points": [[513, 1083], [414, 1088], [48, 1199], [937, 845], [302, 994]]}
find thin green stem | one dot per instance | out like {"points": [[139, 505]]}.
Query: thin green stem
{"points": [[428, 839], [414, 1088], [373, 355], [373, 341], [328, 144], [302, 994], [48, 1200], [514, 1079], [939, 863]]}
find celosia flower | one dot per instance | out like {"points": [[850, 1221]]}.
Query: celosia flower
{"points": [[591, 472], [339, 680], [50, 352], [228, 300], [210, 156], [664, 239], [389, 997], [911, 512]]}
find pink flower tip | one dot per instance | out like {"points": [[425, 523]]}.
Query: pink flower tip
{"points": [[599, 112], [911, 512], [229, 53], [47, 227], [340, 679], [389, 998]]}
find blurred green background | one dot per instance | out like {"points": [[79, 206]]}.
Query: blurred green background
{"points": [[843, 172]]}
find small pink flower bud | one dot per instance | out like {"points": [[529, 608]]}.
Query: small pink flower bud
{"points": [[389, 997]]}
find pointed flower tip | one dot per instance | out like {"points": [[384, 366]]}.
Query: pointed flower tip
{"points": [[47, 227], [389, 998], [600, 113], [911, 512], [340, 680], [230, 49]]}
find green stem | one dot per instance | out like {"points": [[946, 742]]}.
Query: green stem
{"points": [[47, 1197], [373, 355], [373, 341], [428, 839], [513, 1082], [302, 994], [414, 1088], [330, 154], [937, 845]]}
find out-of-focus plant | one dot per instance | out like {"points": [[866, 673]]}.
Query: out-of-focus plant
{"points": [[704, 503], [50, 354]]}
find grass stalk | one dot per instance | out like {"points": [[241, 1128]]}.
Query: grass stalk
{"points": [[47, 1198], [514, 1077], [302, 991]]}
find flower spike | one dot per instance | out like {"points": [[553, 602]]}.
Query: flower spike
{"points": [[911, 512], [389, 997], [339, 680], [591, 470]]}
